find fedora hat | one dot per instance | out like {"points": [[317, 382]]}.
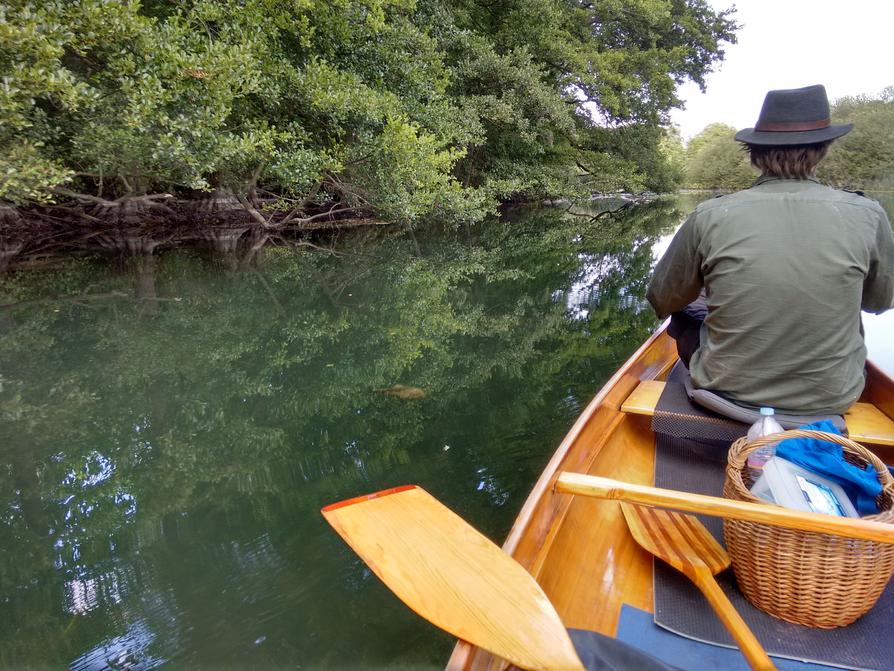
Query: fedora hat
{"points": [[794, 116]]}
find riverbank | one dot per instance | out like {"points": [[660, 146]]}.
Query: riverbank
{"points": [[37, 237], [45, 235]]}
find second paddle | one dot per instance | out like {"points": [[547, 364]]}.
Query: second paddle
{"points": [[684, 543]]}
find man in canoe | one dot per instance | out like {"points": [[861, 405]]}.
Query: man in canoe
{"points": [[765, 286]]}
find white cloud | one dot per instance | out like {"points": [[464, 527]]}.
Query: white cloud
{"points": [[788, 44]]}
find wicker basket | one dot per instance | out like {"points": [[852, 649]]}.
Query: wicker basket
{"points": [[806, 577]]}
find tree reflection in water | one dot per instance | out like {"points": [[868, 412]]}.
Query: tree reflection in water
{"points": [[162, 470]]}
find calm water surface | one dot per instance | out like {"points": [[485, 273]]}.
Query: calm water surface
{"points": [[169, 430]]}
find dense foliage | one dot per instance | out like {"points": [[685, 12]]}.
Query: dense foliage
{"points": [[402, 108], [862, 159], [714, 160]]}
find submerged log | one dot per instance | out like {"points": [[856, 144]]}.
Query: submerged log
{"points": [[133, 242], [257, 242], [9, 250], [9, 214], [403, 392], [225, 240], [144, 281]]}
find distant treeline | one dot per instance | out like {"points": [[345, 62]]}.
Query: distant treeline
{"points": [[293, 110], [862, 159]]}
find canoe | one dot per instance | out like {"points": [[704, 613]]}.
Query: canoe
{"points": [[579, 549]]}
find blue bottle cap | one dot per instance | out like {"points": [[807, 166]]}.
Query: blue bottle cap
{"points": [[767, 412]]}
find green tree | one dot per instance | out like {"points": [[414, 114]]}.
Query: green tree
{"points": [[668, 172], [407, 109], [864, 158], [615, 66], [714, 160]]}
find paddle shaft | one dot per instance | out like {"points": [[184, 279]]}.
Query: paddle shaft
{"points": [[683, 542], [745, 639], [606, 488]]}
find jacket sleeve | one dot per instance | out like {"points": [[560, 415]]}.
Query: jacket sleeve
{"points": [[878, 287], [677, 279]]}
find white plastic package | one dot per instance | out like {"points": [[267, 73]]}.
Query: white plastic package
{"points": [[792, 486]]}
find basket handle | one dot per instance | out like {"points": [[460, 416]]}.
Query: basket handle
{"points": [[737, 458]]}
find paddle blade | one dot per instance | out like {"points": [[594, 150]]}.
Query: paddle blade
{"points": [[454, 577], [680, 540]]}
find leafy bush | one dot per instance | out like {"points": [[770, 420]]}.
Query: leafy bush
{"points": [[864, 158], [409, 109], [714, 160]]}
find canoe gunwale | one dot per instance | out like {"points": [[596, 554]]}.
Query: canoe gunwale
{"points": [[603, 403], [541, 516], [880, 392], [540, 519]]}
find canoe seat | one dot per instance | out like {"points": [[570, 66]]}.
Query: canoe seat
{"points": [[865, 422]]}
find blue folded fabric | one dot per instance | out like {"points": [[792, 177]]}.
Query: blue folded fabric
{"points": [[827, 459]]}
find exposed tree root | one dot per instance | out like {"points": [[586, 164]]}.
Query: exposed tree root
{"points": [[136, 226]]}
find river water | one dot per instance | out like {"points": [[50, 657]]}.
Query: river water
{"points": [[169, 429]]}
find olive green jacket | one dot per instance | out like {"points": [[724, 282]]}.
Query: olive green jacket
{"points": [[787, 266]]}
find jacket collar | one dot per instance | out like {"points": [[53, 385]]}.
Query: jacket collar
{"points": [[764, 179]]}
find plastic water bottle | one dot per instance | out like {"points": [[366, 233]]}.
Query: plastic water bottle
{"points": [[765, 426]]}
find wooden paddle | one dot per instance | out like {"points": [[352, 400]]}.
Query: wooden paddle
{"points": [[684, 543], [455, 577], [606, 488]]}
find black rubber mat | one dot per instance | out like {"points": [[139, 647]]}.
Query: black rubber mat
{"points": [[697, 466], [676, 415]]}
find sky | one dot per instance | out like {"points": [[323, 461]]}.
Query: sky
{"points": [[846, 46]]}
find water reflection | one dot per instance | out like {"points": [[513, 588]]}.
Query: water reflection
{"points": [[85, 594], [163, 469], [129, 652]]}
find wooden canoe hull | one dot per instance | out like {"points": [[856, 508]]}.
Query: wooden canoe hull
{"points": [[578, 548]]}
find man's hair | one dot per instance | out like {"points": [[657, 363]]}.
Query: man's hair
{"points": [[796, 161]]}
